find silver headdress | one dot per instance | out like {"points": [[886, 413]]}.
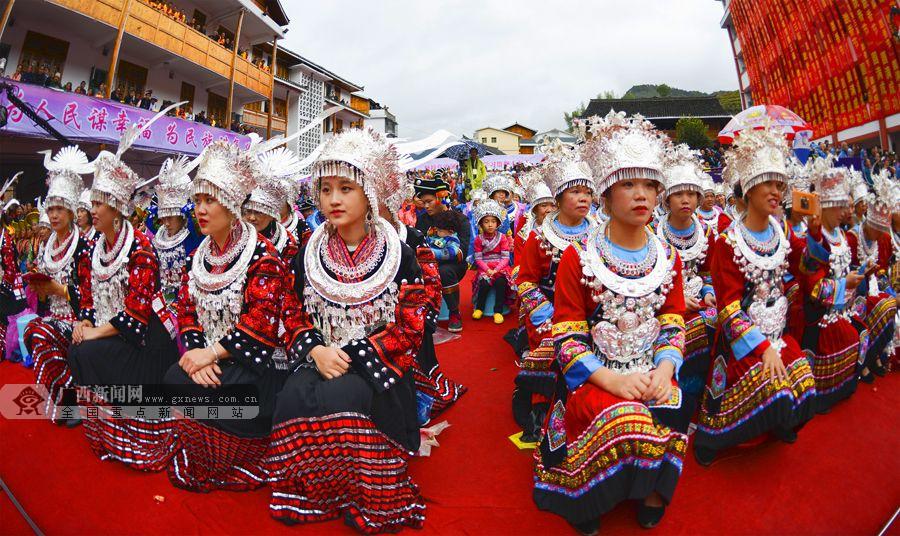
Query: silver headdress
{"points": [[366, 158], [883, 202], [498, 182], [64, 183], [489, 207], [756, 156], [859, 190], [536, 190], [228, 174], [618, 148], [832, 183], [84, 200], [564, 168], [114, 182], [173, 190], [683, 171], [798, 179], [280, 167]]}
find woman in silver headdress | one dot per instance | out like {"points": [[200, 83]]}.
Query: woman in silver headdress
{"points": [[617, 429], [229, 311], [122, 338], [347, 414], [62, 262]]}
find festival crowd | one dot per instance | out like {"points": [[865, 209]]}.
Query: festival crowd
{"points": [[648, 307]]}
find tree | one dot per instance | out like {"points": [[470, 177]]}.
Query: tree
{"points": [[693, 132], [663, 90], [730, 101]]}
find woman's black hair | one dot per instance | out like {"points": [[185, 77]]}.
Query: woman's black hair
{"points": [[738, 191]]}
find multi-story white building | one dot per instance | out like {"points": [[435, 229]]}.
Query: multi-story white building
{"points": [[204, 52], [381, 119]]}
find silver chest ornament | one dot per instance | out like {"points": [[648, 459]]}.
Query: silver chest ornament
{"points": [[341, 311], [172, 258], [628, 328], [59, 270], [769, 308], [839, 267], [109, 276], [219, 298]]}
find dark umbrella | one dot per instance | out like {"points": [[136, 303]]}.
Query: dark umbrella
{"points": [[461, 152]]}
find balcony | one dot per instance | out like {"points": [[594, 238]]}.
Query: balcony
{"points": [[257, 121], [176, 37]]}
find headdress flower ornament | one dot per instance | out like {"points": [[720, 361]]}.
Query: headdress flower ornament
{"points": [[43, 218], [831, 183], [64, 183], [564, 168], [364, 157], [755, 157], [859, 190], [619, 148], [489, 207], [684, 172], [173, 190], [883, 201], [114, 181]]}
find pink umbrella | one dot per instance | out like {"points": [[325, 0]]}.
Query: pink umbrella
{"points": [[756, 117]]}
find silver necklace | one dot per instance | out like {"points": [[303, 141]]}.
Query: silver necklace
{"points": [[163, 241], [109, 281], [53, 267], [107, 256], [345, 312], [628, 327], [219, 298], [237, 241], [555, 241], [358, 271]]}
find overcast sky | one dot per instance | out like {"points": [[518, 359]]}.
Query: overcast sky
{"points": [[463, 65]]}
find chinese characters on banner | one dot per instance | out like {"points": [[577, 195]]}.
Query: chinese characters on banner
{"points": [[832, 62], [82, 118]]}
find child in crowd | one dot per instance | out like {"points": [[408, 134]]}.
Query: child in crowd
{"points": [[491, 257], [442, 238]]}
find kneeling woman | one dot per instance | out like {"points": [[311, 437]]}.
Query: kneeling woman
{"points": [[121, 340], [682, 229], [229, 309], [617, 428], [345, 421], [64, 258], [759, 379]]}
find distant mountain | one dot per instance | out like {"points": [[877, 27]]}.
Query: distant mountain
{"points": [[648, 91]]}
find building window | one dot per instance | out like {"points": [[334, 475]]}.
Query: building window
{"points": [[493, 139], [483, 140], [42, 57], [187, 94], [280, 109]]}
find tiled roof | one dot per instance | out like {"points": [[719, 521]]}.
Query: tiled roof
{"points": [[659, 107]]}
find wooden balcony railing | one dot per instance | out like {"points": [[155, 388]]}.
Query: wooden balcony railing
{"points": [[258, 119], [150, 25], [359, 104]]}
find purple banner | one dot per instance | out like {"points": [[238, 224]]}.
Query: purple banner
{"points": [[87, 119]]}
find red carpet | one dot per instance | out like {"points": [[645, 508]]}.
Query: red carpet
{"points": [[841, 477]]}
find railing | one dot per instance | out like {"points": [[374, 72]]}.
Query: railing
{"points": [[359, 104], [258, 120], [177, 37]]}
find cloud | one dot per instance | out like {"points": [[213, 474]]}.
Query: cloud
{"points": [[465, 65]]}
